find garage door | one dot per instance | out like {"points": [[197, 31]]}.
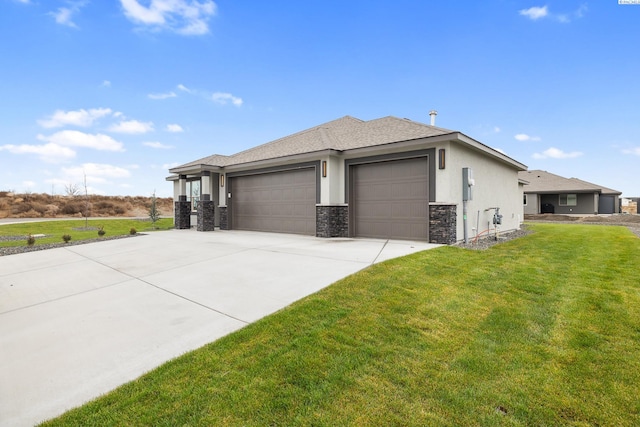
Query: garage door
{"points": [[283, 202], [390, 200]]}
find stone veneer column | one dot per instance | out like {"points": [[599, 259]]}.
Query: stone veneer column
{"points": [[182, 219], [224, 222], [206, 211], [442, 223], [332, 221]]}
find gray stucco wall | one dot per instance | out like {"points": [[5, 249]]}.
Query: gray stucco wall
{"points": [[585, 204]]}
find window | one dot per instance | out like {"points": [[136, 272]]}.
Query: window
{"points": [[193, 193], [568, 200], [525, 200]]}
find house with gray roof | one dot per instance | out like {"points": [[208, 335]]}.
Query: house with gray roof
{"points": [[388, 178], [549, 193]]}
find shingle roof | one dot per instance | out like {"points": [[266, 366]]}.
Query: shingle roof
{"points": [[545, 182], [341, 134]]}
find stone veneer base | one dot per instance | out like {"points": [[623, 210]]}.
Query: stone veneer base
{"points": [[442, 223], [182, 219], [332, 221], [206, 218], [224, 218]]}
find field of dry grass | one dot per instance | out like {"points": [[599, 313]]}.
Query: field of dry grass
{"points": [[56, 206]]}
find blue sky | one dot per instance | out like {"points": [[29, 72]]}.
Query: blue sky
{"points": [[121, 90]]}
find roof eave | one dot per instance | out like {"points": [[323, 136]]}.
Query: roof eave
{"points": [[182, 170], [477, 145]]}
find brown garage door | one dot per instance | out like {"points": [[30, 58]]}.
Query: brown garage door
{"points": [[390, 199], [282, 202]]}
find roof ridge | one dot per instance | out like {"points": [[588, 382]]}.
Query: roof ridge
{"points": [[413, 122], [302, 132]]}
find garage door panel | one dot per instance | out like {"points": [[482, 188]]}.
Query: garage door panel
{"points": [[391, 199], [281, 202]]}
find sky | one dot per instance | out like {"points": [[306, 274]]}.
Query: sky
{"points": [[113, 93]]}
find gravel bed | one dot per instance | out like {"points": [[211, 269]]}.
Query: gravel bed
{"points": [[40, 247], [487, 242]]}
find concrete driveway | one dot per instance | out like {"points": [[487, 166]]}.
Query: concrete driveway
{"points": [[78, 321]]}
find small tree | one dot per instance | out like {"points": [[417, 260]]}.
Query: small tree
{"points": [[154, 213], [71, 189], [86, 202]]}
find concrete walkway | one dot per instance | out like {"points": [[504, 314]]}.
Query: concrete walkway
{"points": [[78, 321]]}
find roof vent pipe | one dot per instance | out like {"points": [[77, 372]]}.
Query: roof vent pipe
{"points": [[433, 114]]}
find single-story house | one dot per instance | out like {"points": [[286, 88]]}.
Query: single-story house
{"points": [[387, 178], [549, 193]]}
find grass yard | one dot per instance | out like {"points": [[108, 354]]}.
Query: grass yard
{"points": [[78, 229], [538, 331]]}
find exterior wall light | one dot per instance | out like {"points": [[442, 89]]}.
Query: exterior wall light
{"points": [[441, 158], [324, 168], [221, 180]]}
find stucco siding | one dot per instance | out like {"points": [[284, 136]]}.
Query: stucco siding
{"points": [[532, 206], [496, 185]]}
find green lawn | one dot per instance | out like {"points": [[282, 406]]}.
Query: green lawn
{"points": [[539, 331], [54, 230]]}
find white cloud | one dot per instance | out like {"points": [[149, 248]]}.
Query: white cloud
{"points": [[64, 15], [162, 95], [174, 128], [82, 118], [132, 127], [556, 153], [74, 138], [496, 129], [106, 83], [51, 152], [188, 17], [225, 98], [168, 166], [634, 151], [95, 173], [535, 12], [525, 137], [157, 145], [28, 184], [184, 88], [222, 98], [580, 12]]}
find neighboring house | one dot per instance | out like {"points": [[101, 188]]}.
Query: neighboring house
{"points": [[549, 193], [387, 178]]}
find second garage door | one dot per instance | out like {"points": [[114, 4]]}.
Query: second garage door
{"points": [[282, 202], [390, 200]]}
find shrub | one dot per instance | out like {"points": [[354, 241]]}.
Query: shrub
{"points": [[19, 208], [132, 231], [31, 240], [101, 231], [103, 205], [72, 208], [66, 238]]}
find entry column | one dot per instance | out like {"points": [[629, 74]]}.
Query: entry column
{"points": [[182, 209], [206, 207]]}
